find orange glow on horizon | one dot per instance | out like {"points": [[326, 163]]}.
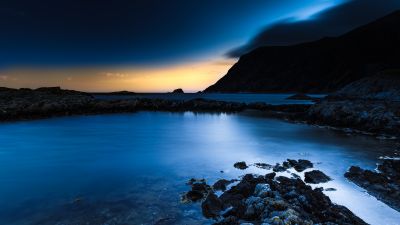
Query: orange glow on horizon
{"points": [[191, 77]]}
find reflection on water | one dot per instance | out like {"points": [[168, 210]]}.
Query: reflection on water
{"points": [[131, 168]]}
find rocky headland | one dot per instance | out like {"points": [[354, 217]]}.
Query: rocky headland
{"points": [[322, 66]]}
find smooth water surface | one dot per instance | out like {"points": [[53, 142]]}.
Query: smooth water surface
{"points": [[132, 168], [274, 99]]}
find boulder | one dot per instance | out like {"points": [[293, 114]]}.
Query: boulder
{"points": [[212, 206], [222, 184], [384, 185], [240, 165], [178, 91], [316, 177]]}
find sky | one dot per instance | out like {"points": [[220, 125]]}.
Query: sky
{"points": [[157, 45]]}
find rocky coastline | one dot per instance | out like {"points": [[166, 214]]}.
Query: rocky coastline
{"points": [[269, 199], [25, 104], [373, 116], [369, 105]]}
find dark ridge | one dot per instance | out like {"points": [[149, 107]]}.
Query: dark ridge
{"points": [[321, 66]]}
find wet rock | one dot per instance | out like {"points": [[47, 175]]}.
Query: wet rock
{"points": [[212, 206], [254, 207], [330, 189], [262, 190], [201, 187], [245, 188], [221, 184], [193, 181], [316, 177], [270, 176], [301, 164], [194, 196], [291, 195], [295, 176], [263, 166], [199, 190], [240, 165], [275, 200], [279, 205], [384, 185], [278, 168], [391, 168], [229, 220], [286, 165], [288, 216]]}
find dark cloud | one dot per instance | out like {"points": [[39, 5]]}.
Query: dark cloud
{"points": [[328, 23]]}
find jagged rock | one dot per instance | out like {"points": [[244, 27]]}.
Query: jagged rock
{"points": [[254, 207], [221, 184], [316, 177], [194, 196], [212, 206], [263, 166], [199, 190], [262, 190], [330, 189], [300, 165], [240, 165], [270, 176], [269, 200], [278, 168], [384, 185]]}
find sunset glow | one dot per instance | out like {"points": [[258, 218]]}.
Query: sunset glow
{"points": [[191, 77]]}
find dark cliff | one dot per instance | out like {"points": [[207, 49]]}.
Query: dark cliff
{"points": [[321, 66]]}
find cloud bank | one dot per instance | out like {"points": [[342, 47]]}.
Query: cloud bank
{"points": [[331, 22]]}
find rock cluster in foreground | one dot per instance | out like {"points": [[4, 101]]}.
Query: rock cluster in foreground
{"points": [[384, 185], [269, 199]]}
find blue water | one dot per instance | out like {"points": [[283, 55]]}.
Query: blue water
{"points": [[274, 99], [132, 168]]}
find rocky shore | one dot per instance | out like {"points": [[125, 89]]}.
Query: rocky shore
{"points": [[379, 114], [269, 199], [368, 116], [22, 104], [369, 105], [384, 183]]}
